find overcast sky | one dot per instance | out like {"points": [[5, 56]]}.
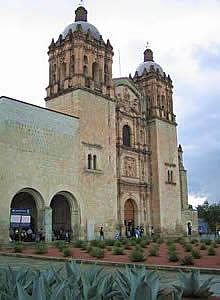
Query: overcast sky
{"points": [[185, 38]]}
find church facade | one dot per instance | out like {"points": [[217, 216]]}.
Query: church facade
{"points": [[102, 153]]}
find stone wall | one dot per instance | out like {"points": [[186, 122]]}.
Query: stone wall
{"points": [[39, 155]]}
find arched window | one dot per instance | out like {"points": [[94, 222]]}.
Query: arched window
{"points": [[94, 162], [95, 72], [127, 136], [63, 71], [85, 70], [72, 64], [171, 176], [85, 60], [89, 161], [168, 176]]}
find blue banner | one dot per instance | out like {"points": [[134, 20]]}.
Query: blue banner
{"points": [[20, 218]]}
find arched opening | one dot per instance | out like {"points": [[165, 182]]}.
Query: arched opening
{"points": [[126, 136], [85, 70], [130, 216], [72, 65], [95, 72], [89, 161], [61, 216], [21, 202], [85, 59]]}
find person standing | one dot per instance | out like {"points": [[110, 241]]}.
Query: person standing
{"points": [[152, 231], [101, 233]]}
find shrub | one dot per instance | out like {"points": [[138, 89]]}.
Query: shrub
{"points": [[84, 246], [155, 238], [188, 247], [137, 256], [109, 242], [89, 248], [207, 242], [195, 253], [67, 252], [94, 243], [109, 248], [138, 241], [117, 244], [78, 244], [217, 241], [171, 248], [211, 251], [187, 260], [179, 240], [60, 245], [169, 242], [117, 250], [41, 248], [214, 244], [101, 244], [144, 244], [97, 252], [127, 245], [154, 251], [18, 248], [133, 242], [160, 240], [203, 247], [173, 256], [139, 248], [194, 241]]}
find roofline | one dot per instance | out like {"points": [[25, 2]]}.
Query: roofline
{"points": [[133, 86], [44, 108]]}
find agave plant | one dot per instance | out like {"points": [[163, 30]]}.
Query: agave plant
{"points": [[133, 284], [192, 286], [10, 277]]}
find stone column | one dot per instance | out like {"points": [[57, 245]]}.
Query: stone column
{"points": [[48, 224]]}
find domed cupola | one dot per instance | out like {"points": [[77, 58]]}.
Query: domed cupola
{"points": [[80, 59], [81, 19], [148, 65]]}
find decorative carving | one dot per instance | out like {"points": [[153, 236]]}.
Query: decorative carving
{"points": [[130, 167]]}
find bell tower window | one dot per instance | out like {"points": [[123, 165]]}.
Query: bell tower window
{"points": [[126, 136], [89, 161], [72, 65], [95, 73], [94, 162]]}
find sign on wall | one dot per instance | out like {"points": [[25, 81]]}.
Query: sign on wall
{"points": [[20, 218]]}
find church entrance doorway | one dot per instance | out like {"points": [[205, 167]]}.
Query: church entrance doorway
{"points": [[130, 217], [61, 216], [26, 201]]}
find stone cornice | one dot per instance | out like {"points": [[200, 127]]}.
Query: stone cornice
{"points": [[135, 184], [92, 145], [66, 91]]}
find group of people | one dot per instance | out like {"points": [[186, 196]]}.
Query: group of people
{"points": [[137, 232], [61, 234], [26, 235], [130, 231]]}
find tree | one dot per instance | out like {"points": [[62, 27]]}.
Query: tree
{"points": [[210, 213]]}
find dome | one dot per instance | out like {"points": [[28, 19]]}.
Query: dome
{"points": [[85, 27], [147, 66], [81, 19]]}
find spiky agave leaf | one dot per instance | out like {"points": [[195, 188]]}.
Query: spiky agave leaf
{"points": [[192, 286]]}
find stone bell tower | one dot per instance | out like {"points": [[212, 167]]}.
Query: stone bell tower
{"points": [[157, 87], [80, 59]]}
